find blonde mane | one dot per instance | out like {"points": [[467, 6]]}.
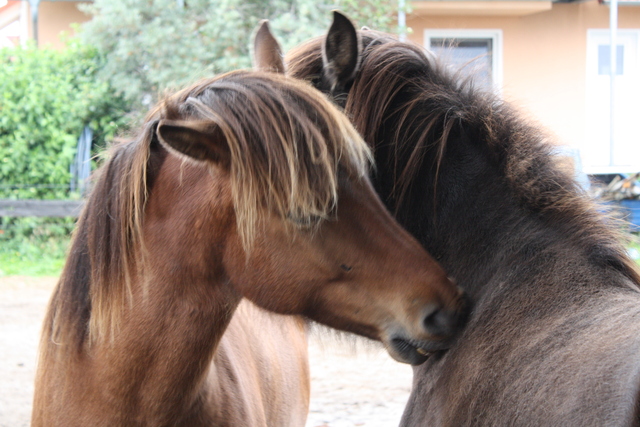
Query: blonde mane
{"points": [[288, 144]]}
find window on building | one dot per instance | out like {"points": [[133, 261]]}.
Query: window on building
{"points": [[604, 60], [478, 53]]}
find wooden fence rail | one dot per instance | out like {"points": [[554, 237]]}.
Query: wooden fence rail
{"points": [[44, 208]]}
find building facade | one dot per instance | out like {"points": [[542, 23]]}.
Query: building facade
{"points": [[551, 60], [55, 17]]}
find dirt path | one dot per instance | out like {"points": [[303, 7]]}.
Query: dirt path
{"points": [[355, 385], [352, 384], [22, 304]]}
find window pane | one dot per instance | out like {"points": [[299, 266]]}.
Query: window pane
{"points": [[604, 59], [474, 55]]}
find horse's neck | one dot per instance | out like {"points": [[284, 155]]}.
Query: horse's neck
{"points": [[153, 367], [476, 226], [487, 238], [478, 238], [168, 348], [461, 225], [186, 302], [483, 251]]}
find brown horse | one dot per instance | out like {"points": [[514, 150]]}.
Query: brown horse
{"points": [[554, 338], [246, 185]]}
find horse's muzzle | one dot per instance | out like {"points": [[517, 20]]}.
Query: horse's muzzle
{"points": [[441, 323]]}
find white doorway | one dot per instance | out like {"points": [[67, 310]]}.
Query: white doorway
{"points": [[596, 148]]}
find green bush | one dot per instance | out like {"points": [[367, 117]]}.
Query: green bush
{"points": [[46, 98]]}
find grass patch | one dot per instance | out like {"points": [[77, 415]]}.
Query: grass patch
{"points": [[19, 264], [33, 247]]}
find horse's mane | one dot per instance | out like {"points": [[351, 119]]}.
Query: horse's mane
{"points": [[288, 145], [403, 84]]}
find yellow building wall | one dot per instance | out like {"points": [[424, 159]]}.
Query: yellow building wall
{"points": [[54, 18], [544, 58]]}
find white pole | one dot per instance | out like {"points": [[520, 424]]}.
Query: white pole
{"points": [[613, 69], [24, 23], [402, 21], [34, 5]]}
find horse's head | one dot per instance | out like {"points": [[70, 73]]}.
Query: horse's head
{"points": [[437, 141], [306, 232]]}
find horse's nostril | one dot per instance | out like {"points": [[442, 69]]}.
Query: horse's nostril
{"points": [[440, 322]]}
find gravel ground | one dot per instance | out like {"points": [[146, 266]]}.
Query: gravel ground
{"points": [[352, 383], [22, 304], [355, 384]]}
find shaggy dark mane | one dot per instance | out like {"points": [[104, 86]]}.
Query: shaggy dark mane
{"points": [[403, 84]]}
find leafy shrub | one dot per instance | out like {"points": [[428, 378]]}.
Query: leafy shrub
{"points": [[46, 98]]}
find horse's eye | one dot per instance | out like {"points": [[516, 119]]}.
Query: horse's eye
{"points": [[305, 221], [345, 267]]}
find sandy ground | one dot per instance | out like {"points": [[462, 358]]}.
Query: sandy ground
{"points": [[352, 384]]}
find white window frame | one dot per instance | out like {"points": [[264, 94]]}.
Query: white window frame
{"points": [[495, 35], [595, 37]]}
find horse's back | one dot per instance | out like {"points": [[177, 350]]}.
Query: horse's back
{"points": [[260, 371], [577, 368]]}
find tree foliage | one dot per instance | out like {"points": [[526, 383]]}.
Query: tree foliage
{"points": [[151, 45]]}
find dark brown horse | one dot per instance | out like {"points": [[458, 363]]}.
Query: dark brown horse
{"points": [[246, 185], [554, 338]]}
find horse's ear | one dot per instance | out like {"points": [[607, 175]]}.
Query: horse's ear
{"points": [[200, 140], [267, 54], [341, 52]]}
